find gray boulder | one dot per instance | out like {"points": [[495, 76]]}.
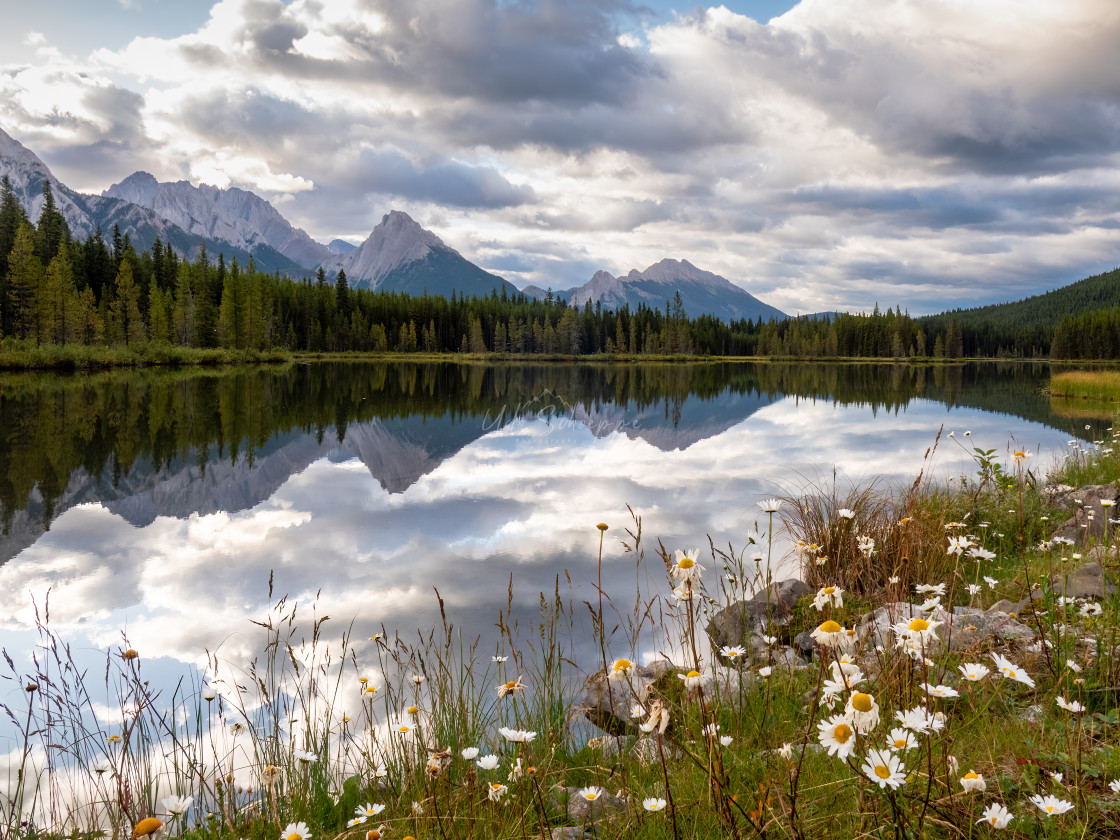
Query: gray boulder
{"points": [[961, 629], [607, 703], [1087, 581], [1085, 501], [764, 614]]}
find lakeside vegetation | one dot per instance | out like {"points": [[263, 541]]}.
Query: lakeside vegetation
{"points": [[55, 290], [452, 738]]}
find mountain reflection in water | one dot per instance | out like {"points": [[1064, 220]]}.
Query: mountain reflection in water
{"points": [[163, 501]]}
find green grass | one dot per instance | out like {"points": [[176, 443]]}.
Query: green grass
{"points": [[304, 692], [1100, 385]]}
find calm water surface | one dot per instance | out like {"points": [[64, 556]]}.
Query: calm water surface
{"points": [[158, 504]]}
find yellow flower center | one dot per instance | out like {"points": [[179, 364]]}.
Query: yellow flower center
{"points": [[295, 835], [494, 786], [830, 626], [371, 689], [882, 772], [919, 625], [828, 590], [623, 664], [971, 775], [686, 563], [405, 728], [592, 796], [842, 733], [899, 743], [862, 702], [413, 710], [1020, 454], [692, 674], [363, 680], [602, 526], [511, 685], [1049, 809]]}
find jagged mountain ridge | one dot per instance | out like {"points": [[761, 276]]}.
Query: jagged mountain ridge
{"points": [[85, 214], [702, 292], [233, 215]]}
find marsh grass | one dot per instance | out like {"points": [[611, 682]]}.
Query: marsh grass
{"points": [[296, 735], [1099, 385]]}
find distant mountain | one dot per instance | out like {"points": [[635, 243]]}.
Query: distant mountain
{"points": [[86, 213], [400, 256], [702, 292], [239, 217], [340, 247]]}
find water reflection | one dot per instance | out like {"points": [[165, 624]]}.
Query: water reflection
{"points": [[171, 498]]}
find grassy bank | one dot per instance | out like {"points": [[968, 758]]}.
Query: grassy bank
{"points": [[1101, 385], [68, 357], [330, 736]]}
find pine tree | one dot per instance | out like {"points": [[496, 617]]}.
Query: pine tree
{"points": [[25, 276]]}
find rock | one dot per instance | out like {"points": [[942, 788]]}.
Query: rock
{"points": [[607, 703], [1058, 495], [746, 622], [571, 832], [1086, 581], [964, 628], [1087, 500], [604, 807], [1103, 552]]}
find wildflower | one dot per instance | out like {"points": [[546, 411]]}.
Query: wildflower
{"points": [[733, 653], [1010, 671], [711, 730], [958, 545], [1020, 456], [370, 809], [685, 566], [147, 827], [846, 672], [518, 736], [770, 505], [356, 821], [270, 774], [1070, 705], [996, 816], [130, 654], [683, 592], [917, 630], [498, 659], [417, 679], [866, 545], [786, 751], [296, 831], [974, 589], [1057, 777], [177, 805], [693, 679], [930, 604], [620, 670], [658, 718], [488, 762], [496, 792], [1091, 608], [765, 671], [375, 637], [884, 768], [1114, 785], [405, 728], [209, 693], [893, 580], [837, 736], [973, 782], [770, 640], [829, 634], [725, 740], [417, 808], [114, 739], [845, 513], [863, 712], [511, 687], [306, 756], [602, 526], [977, 553], [1051, 805], [974, 671], [653, 804], [1073, 666], [102, 766], [236, 728], [381, 772], [901, 739], [940, 691], [828, 596], [990, 581], [469, 753], [636, 710], [919, 719], [929, 588], [369, 691], [591, 793]]}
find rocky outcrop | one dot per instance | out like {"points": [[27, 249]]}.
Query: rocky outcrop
{"points": [[1087, 581], [744, 623], [1089, 517]]}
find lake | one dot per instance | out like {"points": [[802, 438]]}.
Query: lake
{"points": [[161, 506]]}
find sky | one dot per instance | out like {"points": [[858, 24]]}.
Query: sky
{"points": [[824, 154]]}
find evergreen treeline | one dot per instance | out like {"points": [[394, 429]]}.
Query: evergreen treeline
{"points": [[57, 290]]}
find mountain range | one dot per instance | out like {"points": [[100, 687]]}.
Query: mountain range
{"points": [[398, 256]]}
